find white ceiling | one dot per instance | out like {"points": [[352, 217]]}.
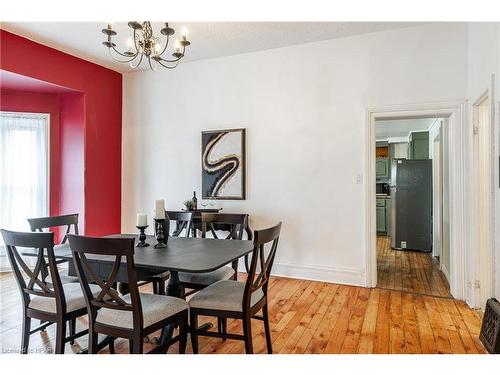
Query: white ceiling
{"points": [[209, 40], [401, 128]]}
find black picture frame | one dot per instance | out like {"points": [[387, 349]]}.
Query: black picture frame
{"points": [[212, 181]]}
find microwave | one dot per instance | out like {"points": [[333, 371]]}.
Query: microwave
{"points": [[383, 188]]}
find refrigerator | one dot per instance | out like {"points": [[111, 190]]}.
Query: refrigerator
{"points": [[411, 196]]}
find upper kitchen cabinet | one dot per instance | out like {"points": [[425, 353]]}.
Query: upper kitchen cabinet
{"points": [[418, 145], [382, 167], [382, 160]]}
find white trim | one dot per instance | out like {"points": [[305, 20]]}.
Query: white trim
{"points": [[458, 159], [337, 275], [446, 273]]}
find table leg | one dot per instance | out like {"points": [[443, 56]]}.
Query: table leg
{"points": [[174, 289]]}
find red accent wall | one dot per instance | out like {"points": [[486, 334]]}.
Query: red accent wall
{"points": [[18, 101], [100, 124]]}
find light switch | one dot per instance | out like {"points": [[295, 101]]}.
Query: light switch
{"points": [[359, 179]]}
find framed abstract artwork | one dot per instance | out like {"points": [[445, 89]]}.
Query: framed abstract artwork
{"points": [[223, 164]]}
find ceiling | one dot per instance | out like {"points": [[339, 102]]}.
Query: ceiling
{"points": [[209, 40], [401, 128]]}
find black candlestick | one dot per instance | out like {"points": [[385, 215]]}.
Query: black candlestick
{"points": [[160, 238], [142, 236]]}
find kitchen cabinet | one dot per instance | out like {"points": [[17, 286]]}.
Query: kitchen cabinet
{"points": [[382, 167], [418, 145], [383, 215]]}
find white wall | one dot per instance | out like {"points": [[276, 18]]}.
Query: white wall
{"points": [[304, 110], [483, 61]]}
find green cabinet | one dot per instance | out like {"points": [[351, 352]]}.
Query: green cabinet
{"points": [[381, 220], [388, 215], [418, 145], [383, 215], [382, 167]]}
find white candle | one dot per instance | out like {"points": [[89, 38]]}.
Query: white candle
{"points": [[160, 209], [142, 220]]}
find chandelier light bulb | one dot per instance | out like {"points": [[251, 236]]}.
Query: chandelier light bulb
{"points": [[177, 46]]}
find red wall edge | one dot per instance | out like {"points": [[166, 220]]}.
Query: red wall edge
{"points": [[102, 89]]}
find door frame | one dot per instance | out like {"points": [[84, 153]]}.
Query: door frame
{"points": [[483, 258], [458, 162]]}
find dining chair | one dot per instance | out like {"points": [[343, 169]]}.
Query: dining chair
{"points": [[211, 222], [39, 224], [132, 316], [183, 222], [53, 302], [239, 300]]}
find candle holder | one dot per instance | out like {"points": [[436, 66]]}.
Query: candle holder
{"points": [[142, 236], [160, 238]]}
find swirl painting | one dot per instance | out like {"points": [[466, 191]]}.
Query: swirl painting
{"points": [[223, 164]]}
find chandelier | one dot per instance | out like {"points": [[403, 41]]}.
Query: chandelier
{"points": [[143, 44]]}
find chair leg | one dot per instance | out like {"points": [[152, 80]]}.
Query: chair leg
{"points": [[72, 330], [161, 287], [155, 287], [60, 336], [222, 323], [25, 339], [93, 341], [267, 329], [137, 346], [112, 346], [247, 332], [194, 336], [183, 328]]}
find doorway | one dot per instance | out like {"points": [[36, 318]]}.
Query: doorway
{"points": [[453, 112], [411, 252]]}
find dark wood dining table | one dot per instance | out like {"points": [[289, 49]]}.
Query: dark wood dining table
{"points": [[194, 255]]}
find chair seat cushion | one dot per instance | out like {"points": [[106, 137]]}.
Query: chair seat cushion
{"points": [[74, 299], [224, 295], [207, 278], [154, 309]]}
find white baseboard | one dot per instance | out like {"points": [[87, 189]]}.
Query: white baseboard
{"points": [[445, 272], [349, 276]]}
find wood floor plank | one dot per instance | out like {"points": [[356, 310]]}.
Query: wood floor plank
{"points": [[309, 317]]}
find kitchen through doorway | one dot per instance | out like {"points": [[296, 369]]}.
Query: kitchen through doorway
{"points": [[412, 204]]}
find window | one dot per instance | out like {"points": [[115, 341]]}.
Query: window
{"points": [[24, 172]]}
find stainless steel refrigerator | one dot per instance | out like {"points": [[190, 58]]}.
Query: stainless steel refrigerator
{"points": [[411, 196]]}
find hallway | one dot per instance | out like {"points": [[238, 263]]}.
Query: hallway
{"points": [[409, 271]]}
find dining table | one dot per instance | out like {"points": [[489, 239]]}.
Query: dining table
{"points": [[181, 254]]}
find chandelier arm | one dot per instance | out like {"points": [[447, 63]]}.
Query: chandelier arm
{"points": [[122, 61], [166, 66], [167, 38], [122, 54], [135, 42], [139, 63], [151, 65], [177, 59]]}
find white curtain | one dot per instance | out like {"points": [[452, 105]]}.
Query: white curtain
{"points": [[24, 187]]}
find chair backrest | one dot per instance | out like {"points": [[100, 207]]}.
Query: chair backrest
{"points": [[35, 284], [235, 222], [183, 219], [41, 223], [259, 279], [119, 248]]}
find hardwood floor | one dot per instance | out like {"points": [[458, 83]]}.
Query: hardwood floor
{"points": [[310, 317], [409, 271]]}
